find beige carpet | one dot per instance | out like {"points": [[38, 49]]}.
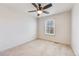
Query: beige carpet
{"points": [[39, 48]]}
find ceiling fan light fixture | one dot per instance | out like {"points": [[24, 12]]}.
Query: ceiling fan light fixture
{"points": [[39, 12], [39, 9]]}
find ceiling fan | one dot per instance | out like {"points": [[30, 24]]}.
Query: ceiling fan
{"points": [[40, 9]]}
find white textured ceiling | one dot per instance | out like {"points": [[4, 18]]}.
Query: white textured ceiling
{"points": [[25, 7]]}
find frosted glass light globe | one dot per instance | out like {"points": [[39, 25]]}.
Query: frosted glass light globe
{"points": [[39, 12]]}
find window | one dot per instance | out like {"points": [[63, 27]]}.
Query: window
{"points": [[50, 27]]}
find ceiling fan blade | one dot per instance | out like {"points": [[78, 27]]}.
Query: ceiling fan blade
{"points": [[46, 12], [47, 6], [39, 5], [32, 11], [34, 5]]}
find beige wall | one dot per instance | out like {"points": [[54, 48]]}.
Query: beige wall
{"points": [[75, 29], [62, 21], [15, 28]]}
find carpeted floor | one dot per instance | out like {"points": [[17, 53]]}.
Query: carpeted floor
{"points": [[39, 48]]}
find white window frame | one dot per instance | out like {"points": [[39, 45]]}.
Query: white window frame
{"points": [[46, 21]]}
